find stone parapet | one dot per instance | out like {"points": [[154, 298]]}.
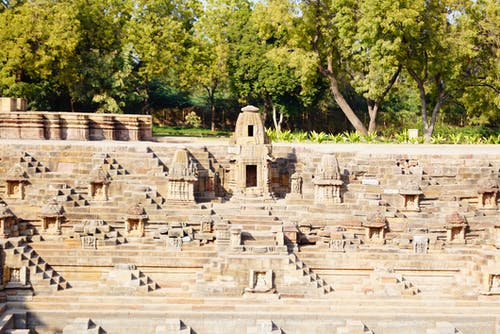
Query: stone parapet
{"points": [[74, 126]]}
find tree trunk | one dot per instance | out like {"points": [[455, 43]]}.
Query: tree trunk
{"points": [[373, 108], [277, 124], [441, 96], [71, 104], [212, 114], [339, 98]]}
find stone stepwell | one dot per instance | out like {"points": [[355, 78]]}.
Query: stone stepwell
{"points": [[247, 236]]}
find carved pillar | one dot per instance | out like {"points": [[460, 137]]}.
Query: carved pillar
{"points": [[235, 237]]}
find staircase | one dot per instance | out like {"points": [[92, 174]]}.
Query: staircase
{"points": [[309, 276], [32, 166], [109, 164], [384, 282], [42, 275], [127, 276]]}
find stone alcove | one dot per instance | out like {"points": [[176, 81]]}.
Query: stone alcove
{"points": [[455, 226], [487, 194], [52, 216], [260, 281], [99, 184], [135, 221], [8, 222], [375, 226], [15, 182], [411, 197]]}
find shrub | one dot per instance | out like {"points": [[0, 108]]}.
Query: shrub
{"points": [[192, 120]]}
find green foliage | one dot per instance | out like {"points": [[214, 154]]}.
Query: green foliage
{"points": [[192, 120], [319, 65], [317, 137], [187, 132]]}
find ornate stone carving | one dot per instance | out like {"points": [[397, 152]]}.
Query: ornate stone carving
{"points": [[487, 194], [135, 220], [181, 178], [327, 181], [52, 215], [455, 228]]}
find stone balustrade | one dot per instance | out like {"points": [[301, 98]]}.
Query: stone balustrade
{"points": [[74, 126]]}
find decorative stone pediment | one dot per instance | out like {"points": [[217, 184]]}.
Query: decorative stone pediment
{"points": [[487, 194], [327, 181]]}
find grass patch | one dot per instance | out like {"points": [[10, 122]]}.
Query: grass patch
{"points": [[180, 131]]}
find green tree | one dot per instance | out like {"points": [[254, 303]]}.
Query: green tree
{"points": [[212, 44], [440, 53], [355, 43], [159, 33], [38, 39], [481, 95]]}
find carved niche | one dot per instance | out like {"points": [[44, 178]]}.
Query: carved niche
{"points": [[135, 221], [411, 197], [15, 182], [375, 226], [99, 184], [181, 178], [260, 281], [327, 181], [8, 222], [52, 215], [455, 226], [487, 194]]}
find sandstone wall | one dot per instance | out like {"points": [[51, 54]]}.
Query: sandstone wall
{"points": [[74, 126]]}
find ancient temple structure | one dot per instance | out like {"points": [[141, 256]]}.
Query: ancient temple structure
{"points": [[245, 236], [251, 158]]}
